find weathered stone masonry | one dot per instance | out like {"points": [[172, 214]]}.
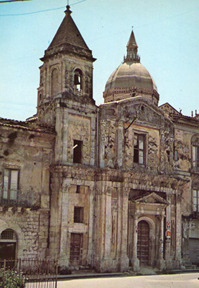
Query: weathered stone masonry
{"points": [[112, 187]]}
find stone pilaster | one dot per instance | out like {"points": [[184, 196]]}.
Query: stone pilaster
{"points": [[64, 242], [120, 141], [178, 229], [135, 261], [65, 137], [161, 262], [124, 261]]}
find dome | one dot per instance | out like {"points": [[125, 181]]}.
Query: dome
{"points": [[131, 78], [130, 74]]}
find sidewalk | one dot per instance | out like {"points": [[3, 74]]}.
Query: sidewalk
{"points": [[143, 271]]}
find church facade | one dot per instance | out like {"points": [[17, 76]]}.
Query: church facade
{"points": [[111, 187]]}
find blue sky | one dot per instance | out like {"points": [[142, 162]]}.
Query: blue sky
{"points": [[167, 33]]}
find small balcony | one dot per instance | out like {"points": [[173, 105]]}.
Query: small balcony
{"points": [[14, 198]]}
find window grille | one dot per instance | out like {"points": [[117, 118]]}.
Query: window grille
{"points": [[8, 234]]}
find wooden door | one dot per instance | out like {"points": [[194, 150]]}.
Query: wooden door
{"points": [[194, 250], [143, 243], [76, 247]]}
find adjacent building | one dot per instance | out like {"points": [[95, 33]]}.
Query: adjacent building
{"points": [[111, 187]]}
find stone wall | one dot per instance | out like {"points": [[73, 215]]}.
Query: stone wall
{"points": [[28, 151]]}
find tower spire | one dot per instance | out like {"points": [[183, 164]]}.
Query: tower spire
{"points": [[132, 48]]}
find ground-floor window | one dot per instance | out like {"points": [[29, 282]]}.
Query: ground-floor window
{"points": [[8, 241]]}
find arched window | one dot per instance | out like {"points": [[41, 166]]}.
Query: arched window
{"points": [[78, 83], [8, 240], [54, 82], [8, 234]]}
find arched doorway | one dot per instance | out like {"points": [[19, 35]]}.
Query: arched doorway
{"points": [[143, 243], [8, 240]]}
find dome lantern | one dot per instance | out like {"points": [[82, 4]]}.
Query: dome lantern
{"points": [[132, 49], [131, 78]]}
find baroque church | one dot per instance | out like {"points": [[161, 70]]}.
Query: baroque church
{"points": [[112, 187]]}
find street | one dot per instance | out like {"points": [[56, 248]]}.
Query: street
{"points": [[186, 280]]}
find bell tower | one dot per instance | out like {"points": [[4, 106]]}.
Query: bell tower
{"points": [[67, 70]]}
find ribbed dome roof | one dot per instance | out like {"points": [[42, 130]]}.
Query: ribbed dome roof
{"points": [[131, 78], [131, 74]]}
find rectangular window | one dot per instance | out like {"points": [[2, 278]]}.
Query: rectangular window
{"points": [[175, 155], [78, 214], [139, 149], [77, 151], [78, 189], [196, 157], [196, 200], [10, 184]]}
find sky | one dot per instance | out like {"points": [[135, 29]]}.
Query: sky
{"points": [[166, 31]]}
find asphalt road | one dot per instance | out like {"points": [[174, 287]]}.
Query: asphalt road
{"points": [[186, 280]]}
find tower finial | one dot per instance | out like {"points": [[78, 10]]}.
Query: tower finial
{"points": [[68, 11]]}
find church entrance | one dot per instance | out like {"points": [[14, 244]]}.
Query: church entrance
{"points": [[143, 243]]}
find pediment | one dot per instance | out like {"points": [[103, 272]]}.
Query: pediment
{"points": [[142, 110], [136, 109], [152, 198], [167, 109]]}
